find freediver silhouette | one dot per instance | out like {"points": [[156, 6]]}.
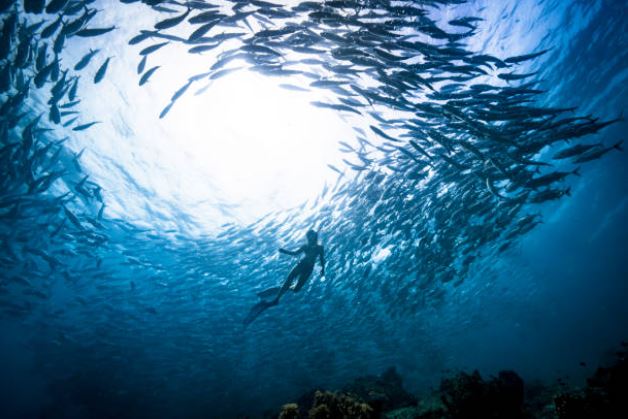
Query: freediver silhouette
{"points": [[312, 251]]}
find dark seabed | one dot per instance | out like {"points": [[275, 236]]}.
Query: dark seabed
{"points": [[462, 162]]}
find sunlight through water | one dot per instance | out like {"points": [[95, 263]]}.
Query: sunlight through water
{"points": [[264, 148], [233, 149]]}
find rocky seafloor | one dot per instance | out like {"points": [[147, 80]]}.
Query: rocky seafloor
{"points": [[468, 395]]}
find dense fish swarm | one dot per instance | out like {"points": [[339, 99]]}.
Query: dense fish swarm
{"points": [[455, 164], [458, 150], [452, 174]]}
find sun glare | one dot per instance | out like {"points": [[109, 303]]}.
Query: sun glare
{"points": [[231, 149], [264, 147]]}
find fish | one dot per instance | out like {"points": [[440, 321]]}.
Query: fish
{"points": [[551, 178], [67, 113], [74, 26], [54, 114], [335, 106], [335, 169], [409, 154], [73, 218], [49, 30], [172, 22], [181, 91], [90, 32], [549, 195], [165, 110], [147, 75], [598, 152], [526, 57], [55, 6], [34, 6], [204, 17], [84, 61], [575, 150], [203, 48], [102, 70], [420, 149], [101, 211], [83, 127], [41, 59], [514, 76], [23, 53], [221, 73], [6, 36], [5, 78], [466, 22], [382, 134], [153, 48], [43, 75], [70, 122], [69, 104], [198, 33], [44, 182], [260, 49], [293, 87], [354, 166], [57, 47], [139, 38], [73, 90], [142, 65]]}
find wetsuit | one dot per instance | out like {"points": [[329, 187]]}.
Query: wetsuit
{"points": [[304, 268]]}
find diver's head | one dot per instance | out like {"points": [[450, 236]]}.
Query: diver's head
{"points": [[312, 236]]}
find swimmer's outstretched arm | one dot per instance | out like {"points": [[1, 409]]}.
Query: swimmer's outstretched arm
{"points": [[291, 252]]}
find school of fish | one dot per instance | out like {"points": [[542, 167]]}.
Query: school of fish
{"points": [[458, 153]]}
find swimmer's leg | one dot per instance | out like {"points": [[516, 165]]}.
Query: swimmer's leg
{"points": [[258, 309], [270, 292], [303, 277], [286, 285]]}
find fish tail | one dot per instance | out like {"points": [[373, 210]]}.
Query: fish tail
{"points": [[618, 146]]}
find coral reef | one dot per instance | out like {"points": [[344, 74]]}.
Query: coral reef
{"points": [[329, 405], [382, 393], [605, 396], [289, 411], [469, 396], [366, 397]]}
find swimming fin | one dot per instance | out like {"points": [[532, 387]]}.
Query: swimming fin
{"points": [[258, 309], [270, 292]]}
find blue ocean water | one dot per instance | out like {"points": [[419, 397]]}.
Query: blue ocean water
{"points": [[128, 300]]}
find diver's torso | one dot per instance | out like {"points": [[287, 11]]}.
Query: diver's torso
{"points": [[311, 252]]}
